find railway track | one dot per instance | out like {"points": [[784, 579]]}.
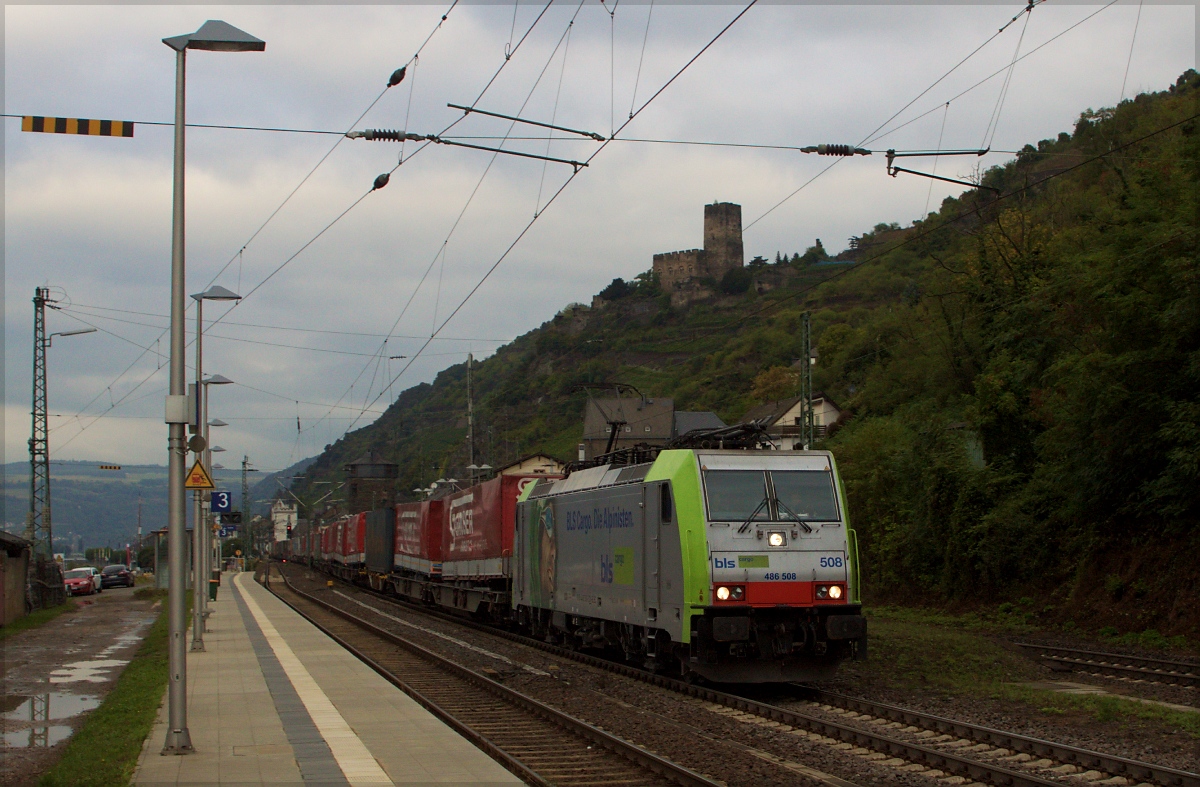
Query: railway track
{"points": [[953, 748], [540, 745], [1018, 747], [1177, 673]]}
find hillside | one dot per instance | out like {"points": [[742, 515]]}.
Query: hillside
{"points": [[93, 507], [1020, 371]]}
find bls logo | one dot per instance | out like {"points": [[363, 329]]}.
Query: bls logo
{"points": [[724, 562]]}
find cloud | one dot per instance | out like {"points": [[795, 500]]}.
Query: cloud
{"points": [[93, 215]]}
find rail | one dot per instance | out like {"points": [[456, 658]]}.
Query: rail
{"points": [[527, 768], [1180, 673]]}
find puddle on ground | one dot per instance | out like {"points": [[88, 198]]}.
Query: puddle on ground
{"points": [[55, 705], [94, 671], [123, 641], [38, 737]]}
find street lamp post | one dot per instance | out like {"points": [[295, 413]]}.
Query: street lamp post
{"points": [[214, 36], [202, 537], [200, 534]]}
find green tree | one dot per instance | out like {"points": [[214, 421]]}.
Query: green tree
{"points": [[778, 382]]}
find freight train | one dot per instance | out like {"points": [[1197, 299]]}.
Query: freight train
{"points": [[737, 565]]}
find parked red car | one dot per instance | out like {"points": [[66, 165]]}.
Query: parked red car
{"points": [[81, 582]]}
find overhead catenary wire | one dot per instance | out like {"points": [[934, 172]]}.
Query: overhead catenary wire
{"points": [[638, 79], [913, 237], [508, 56], [869, 137], [994, 121], [941, 134], [1129, 60], [875, 137], [76, 306], [274, 213], [508, 250]]}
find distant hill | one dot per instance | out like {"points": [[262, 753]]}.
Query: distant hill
{"points": [[92, 507]]}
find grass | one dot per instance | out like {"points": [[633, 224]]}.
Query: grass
{"points": [[106, 749], [35, 619], [919, 650]]}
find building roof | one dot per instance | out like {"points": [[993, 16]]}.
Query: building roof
{"points": [[546, 457], [773, 411], [634, 411], [13, 545], [688, 421]]}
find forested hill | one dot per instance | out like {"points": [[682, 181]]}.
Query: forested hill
{"points": [[1020, 370]]}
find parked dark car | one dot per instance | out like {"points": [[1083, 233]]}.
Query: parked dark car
{"points": [[114, 576]]}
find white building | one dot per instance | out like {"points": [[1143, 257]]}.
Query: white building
{"points": [[283, 516]]}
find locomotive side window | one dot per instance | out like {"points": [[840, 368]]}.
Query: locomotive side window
{"points": [[806, 495], [664, 497], [735, 495]]}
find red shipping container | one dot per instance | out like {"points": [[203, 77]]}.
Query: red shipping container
{"points": [[419, 537], [354, 539], [477, 534]]}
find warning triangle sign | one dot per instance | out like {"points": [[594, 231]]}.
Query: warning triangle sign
{"points": [[198, 478]]}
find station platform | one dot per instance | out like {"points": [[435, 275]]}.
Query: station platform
{"points": [[273, 700]]}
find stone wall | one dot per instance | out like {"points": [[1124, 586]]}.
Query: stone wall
{"points": [[723, 238], [676, 266]]}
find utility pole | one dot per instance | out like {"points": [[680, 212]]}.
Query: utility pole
{"points": [[470, 415], [37, 526], [806, 391], [245, 499]]}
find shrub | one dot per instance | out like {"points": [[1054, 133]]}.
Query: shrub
{"points": [[735, 281]]}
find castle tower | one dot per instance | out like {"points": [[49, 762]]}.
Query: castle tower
{"points": [[723, 237]]}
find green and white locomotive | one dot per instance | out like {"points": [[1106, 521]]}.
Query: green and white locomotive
{"points": [[739, 566]]}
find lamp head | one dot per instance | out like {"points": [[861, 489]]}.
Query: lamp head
{"points": [[217, 36], [216, 379], [217, 293]]}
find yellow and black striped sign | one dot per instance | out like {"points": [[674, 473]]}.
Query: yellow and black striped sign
{"points": [[110, 467], [96, 128]]}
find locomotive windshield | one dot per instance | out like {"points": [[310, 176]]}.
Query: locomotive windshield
{"points": [[733, 495], [806, 495], [774, 495]]}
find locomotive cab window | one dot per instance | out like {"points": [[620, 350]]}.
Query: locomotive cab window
{"points": [[736, 495], [770, 496], [666, 503], [804, 495]]}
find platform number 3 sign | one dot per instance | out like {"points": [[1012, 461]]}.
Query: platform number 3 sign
{"points": [[222, 502]]}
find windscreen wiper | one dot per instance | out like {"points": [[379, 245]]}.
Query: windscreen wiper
{"points": [[795, 516], [754, 513]]}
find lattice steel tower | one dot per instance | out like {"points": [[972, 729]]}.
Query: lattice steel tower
{"points": [[806, 391], [37, 526]]}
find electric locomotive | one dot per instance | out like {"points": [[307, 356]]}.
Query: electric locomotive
{"points": [[736, 565]]}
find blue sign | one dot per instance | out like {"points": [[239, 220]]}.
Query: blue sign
{"points": [[227, 532], [222, 501]]}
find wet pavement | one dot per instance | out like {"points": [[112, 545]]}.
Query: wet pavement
{"points": [[55, 674]]}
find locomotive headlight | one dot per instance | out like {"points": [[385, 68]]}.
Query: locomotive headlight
{"points": [[835, 592], [738, 593], [776, 539], [822, 591], [723, 593]]}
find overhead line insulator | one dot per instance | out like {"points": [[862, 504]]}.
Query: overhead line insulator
{"points": [[836, 150], [386, 135], [397, 76], [381, 181]]}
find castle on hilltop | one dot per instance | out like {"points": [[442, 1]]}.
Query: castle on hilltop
{"points": [[722, 250]]}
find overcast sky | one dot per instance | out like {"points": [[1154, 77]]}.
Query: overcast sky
{"points": [[91, 216]]}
